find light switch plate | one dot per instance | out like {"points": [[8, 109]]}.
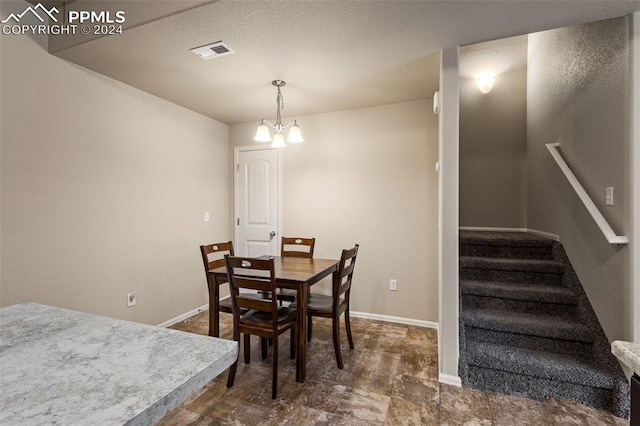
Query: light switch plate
{"points": [[609, 195], [393, 285]]}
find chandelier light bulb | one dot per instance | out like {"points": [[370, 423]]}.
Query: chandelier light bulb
{"points": [[278, 141], [295, 136], [262, 133]]}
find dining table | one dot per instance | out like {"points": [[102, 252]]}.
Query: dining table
{"points": [[293, 273]]}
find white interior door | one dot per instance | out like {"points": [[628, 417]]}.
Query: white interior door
{"points": [[257, 202]]}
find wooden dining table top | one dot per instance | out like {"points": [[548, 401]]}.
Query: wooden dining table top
{"points": [[295, 270]]}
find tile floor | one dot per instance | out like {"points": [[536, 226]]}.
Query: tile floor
{"points": [[389, 379]]}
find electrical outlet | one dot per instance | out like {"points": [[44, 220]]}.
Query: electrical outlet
{"points": [[131, 299], [393, 285]]}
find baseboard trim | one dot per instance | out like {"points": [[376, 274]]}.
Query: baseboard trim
{"points": [[448, 379], [491, 228], [398, 320], [554, 237], [355, 314], [170, 322]]}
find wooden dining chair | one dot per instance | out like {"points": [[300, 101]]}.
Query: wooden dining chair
{"points": [[294, 247], [321, 305], [213, 258], [260, 317]]}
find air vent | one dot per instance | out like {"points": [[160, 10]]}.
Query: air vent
{"points": [[213, 50]]}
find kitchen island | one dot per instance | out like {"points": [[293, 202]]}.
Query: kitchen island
{"points": [[629, 354], [59, 366]]}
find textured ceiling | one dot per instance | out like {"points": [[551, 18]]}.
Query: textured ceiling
{"points": [[334, 55]]}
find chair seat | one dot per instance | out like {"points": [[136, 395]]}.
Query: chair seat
{"points": [[260, 318], [320, 304], [286, 294], [226, 305]]}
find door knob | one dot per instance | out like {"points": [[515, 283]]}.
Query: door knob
{"points": [[272, 234]]}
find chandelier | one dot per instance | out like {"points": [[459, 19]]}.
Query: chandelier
{"points": [[263, 134]]}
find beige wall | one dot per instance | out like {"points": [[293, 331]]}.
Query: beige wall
{"points": [[367, 176], [578, 94], [493, 135], [634, 204], [103, 190], [448, 196]]}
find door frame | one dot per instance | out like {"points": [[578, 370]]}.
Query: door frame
{"points": [[236, 154]]}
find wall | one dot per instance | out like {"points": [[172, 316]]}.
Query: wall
{"points": [[103, 190], [493, 135], [367, 176], [448, 217], [634, 204], [578, 94]]}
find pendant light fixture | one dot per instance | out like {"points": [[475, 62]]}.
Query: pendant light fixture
{"points": [[277, 141]]}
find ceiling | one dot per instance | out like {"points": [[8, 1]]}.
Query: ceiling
{"points": [[334, 55]]}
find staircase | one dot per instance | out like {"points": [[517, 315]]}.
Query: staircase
{"points": [[527, 327]]}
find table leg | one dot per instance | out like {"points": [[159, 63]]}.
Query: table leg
{"points": [[301, 358], [214, 306]]}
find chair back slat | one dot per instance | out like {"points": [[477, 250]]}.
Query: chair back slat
{"points": [[252, 274], [253, 283], [297, 247], [348, 269], [213, 254], [344, 287], [252, 303]]}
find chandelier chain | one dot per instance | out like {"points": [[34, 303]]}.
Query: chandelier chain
{"points": [[280, 106]]}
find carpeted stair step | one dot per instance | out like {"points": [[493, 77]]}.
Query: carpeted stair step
{"points": [[487, 303], [546, 326], [568, 347], [541, 364], [540, 375], [540, 271], [519, 291], [521, 265], [499, 238], [505, 244]]}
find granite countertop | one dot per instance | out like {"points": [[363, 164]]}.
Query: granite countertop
{"points": [[65, 367], [628, 353]]}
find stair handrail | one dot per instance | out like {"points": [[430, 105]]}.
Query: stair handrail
{"points": [[602, 223]]}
